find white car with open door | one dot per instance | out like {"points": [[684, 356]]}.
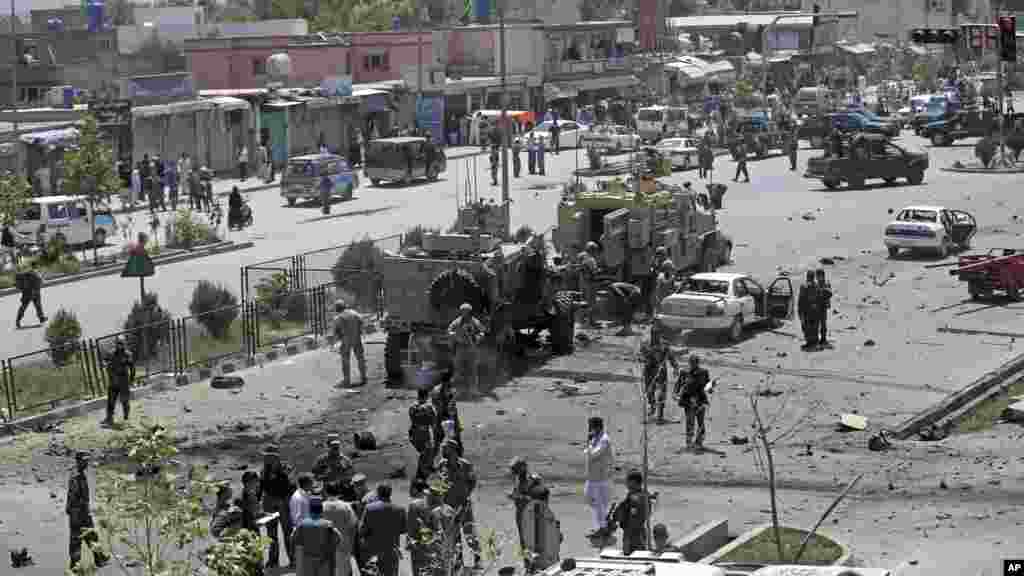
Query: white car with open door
{"points": [[683, 152], [932, 228], [726, 302]]}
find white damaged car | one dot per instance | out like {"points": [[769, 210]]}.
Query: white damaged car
{"points": [[932, 228], [726, 303]]}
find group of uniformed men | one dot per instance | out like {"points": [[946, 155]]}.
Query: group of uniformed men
{"points": [[813, 304]]}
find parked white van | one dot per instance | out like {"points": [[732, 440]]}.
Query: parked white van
{"points": [[66, 217]]}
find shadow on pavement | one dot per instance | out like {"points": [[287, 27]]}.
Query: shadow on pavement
{"points": [[365, 212]]}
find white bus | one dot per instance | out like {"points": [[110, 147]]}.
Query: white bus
{"points": [[655, 122]]}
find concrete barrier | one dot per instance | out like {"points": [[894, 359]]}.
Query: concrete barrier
{"points": [[704, 540], [749, 535]]}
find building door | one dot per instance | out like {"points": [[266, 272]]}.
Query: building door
{"points": [[275, 122]]}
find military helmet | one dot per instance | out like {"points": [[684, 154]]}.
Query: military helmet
{"points": [[466, 307], [591, 246]]}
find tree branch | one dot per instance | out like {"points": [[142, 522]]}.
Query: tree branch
{"points": [[828, 511], [771, 475]]}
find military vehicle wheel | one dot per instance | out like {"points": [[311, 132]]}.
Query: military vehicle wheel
{"points": [[830, 183], [976, 289], [563, 333], [1013, 293], [893, 251], [393, 356], [855, 183], [451, 288], [916, 178]]}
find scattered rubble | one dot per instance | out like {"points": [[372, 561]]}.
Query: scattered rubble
{"points": [[848, 422]]}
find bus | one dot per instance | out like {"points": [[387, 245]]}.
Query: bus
{"points": [[655, 122]]}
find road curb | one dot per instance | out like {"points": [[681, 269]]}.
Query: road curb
{"points": [[246, 190], [980, 170], [756, 530], [219, 248], [946, 412]]}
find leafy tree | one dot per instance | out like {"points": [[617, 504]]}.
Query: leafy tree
{"points": [[89, 171], [215, 308], [347, 15], [356, 272], [15, 192]]}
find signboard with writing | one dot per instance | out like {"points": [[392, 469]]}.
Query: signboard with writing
{"points": [[430, 115], [111, 112], [159, 87]]}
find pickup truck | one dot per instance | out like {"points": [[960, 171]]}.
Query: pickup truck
{"points": [[959, 125], [867, 157]]}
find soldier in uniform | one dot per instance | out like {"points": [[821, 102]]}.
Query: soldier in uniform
{"points": [[631, 515], [442, 524], [588, 270], [664, 284], [657, 355], [251, 508], [228, 517], [651, 280], [808, 305], [348, 329], [333, 466], [824, 305], [422, 418], [691, 391], [526, 488], [741, 161], [277, 487], [460, 478], [467, 333], [625, 297], [419, 530], [442, 399], [121, 367], [80, 514]]}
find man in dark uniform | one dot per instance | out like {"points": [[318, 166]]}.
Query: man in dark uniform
{"points": [[419, 528], [527, 487], [121, 367], [442, 398], [632, 513], [657, 356], [422, 417], [381, 531], [31, 286], [691, 391], [837, 143], [741, 160], [228, 517], [824, 305], [460, 478], [792, 144], [808, 306], [625, 297], [80, 515], [277, 487], [333, 466]]}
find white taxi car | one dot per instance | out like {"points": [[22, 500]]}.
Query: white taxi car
{"points": [[933, 228], [683, 152], [726, 302]]}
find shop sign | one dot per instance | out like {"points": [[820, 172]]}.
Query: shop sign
{"points": [[111, 112]]}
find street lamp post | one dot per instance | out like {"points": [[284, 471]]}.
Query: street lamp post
{"points": [[14, 68]]}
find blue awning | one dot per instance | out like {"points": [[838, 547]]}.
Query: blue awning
{"points": [[51, 137]]}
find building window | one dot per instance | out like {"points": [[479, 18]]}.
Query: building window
{"points": [[259, 66], [376, 62], [348, 64]]}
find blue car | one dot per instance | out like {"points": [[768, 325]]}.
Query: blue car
{"points": [[857, 122]]}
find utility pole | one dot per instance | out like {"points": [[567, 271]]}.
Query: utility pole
{"points": [[505, 201], [14, 69]]}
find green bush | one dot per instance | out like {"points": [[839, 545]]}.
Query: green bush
{"points": [[190, 231], [68, 264], [215, 308], [355, 272], [277, 302], [63, 335], [149, 326]]}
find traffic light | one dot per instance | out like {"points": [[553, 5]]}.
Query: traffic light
{"points": [[935, 36], [1008, 38]]}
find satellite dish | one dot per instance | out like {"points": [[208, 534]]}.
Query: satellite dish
{"points": [[279, 67]]}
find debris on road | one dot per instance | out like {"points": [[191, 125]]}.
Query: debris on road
{"points": [[879, 442], [226, 382], [21, 558], [869, 343], [738, 440], [769, 393], [931, 433], [809, 216], [364, 440], [848, 422], [1014, 412]]}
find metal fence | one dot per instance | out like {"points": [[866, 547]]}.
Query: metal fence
{"points": [[43, 379], [354, 274]]}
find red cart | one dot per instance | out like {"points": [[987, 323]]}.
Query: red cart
{"points": [[1000, 269]]}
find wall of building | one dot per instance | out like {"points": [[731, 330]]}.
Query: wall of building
{"points": [[401, 48], [72, 17], [293, 27], [174, 24], [209, 134], [893, 20]]}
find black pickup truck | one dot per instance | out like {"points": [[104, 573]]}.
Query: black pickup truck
{"points": [[867, 157]]}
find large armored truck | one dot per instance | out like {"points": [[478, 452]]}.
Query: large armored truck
{"points": [[508, 285]]}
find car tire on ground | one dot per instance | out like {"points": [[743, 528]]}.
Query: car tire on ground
{"points": [[916, 178], [893, 251], [976, 289], [393, 356], [291, 201], [889, 181], [735, 332]]}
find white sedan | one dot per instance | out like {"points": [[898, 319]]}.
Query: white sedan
{"points": [[727, 303], [613, 138], [568, 136], [683, 152], [931, 228]]}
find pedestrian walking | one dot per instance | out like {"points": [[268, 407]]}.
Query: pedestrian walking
{"points": [[135, 195], [333, 467], [625, 299], [495, 161], [691, 391], [741, 161], [9, 246], [443, 399], [316, 542], [348, 330], [460, 478], [808, 308], [276, 486], [824, 305], [79, 514], [540, 155], [173, 178], [664, 284], [597, 490], [194, 190], [422, 417], [517, 162], [263, 162], [419, 528], [467, 333], [531, 153], [343, 517], [701, 166], [30, 284], [588, 270], [453, 427], [632, 514], [381, 532], [243, 163], [556, 132], [121, 368], [656, 358], [326, 187], [207, 187], [793, 144]]}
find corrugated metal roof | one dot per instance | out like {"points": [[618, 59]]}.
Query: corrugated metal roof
{"points": [[187, 107], [860, 48], [731, 20]]}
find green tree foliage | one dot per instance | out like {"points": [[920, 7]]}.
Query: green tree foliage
{"points": [[355, 272], [89, 169], [278, 302], [347, 15], [15, 192], [215, 308], [62, 335], [149, 326]]}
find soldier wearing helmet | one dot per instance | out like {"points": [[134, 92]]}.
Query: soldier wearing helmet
{"points": [[121, 367], [664, 283], [348, 329], [467, 333], [588, 270]]}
